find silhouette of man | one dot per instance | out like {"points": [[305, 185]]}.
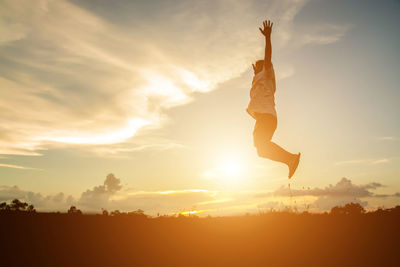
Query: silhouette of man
{"points": [[262, 108]]}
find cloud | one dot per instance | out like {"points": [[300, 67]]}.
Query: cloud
{"points": [[112, 196], [285, 73], [100, 76], [336, 195], [341, 193], [11, 32], [141, 143], [325, 34], [355, 161], [78, 79], [44, 203], [379, 161], [367, 161], [388, 138], [16, 167], [100, 195], [328, 202], [109, 196], [344, 188]]}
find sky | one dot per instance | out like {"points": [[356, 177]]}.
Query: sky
{"points": [[141, 104]]}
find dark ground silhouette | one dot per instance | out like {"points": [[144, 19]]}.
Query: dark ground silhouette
{"points": [[347, 236]]}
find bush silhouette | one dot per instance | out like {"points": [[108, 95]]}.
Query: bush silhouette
{"points": [[74, 211], [348, 209]]}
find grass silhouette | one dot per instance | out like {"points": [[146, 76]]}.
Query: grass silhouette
{"points": [[347, 236]]}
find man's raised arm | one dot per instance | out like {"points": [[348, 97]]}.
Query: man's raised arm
{"points": [[268, 47]]}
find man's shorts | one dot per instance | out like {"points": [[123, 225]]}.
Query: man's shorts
{"points": [[264, 128]]}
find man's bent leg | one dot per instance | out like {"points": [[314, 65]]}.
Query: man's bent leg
{"points": [[262, 135], [274, 152]]}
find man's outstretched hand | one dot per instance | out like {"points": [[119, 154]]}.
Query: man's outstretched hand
{"points": [[267, 28]]}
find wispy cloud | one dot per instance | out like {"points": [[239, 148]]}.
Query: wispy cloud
{"points": [[17, 167], [353, 161], [363, 161], [325, 34], [79, 75], [379, 161], [285, 73], [79, 79], [388, 138], [120, 150]]}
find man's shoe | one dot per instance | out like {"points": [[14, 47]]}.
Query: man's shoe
{"points": [[293, 165]]}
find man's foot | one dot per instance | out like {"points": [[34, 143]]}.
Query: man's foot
{"points": [[293, 165]]}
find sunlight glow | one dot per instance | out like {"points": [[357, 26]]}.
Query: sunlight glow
{"points": [[190, 212], [222, 200], [229, 168], [164, 89], [194, 82]]}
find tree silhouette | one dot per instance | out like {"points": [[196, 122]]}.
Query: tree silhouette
{"points": [[104, 212], [17, 205], [74, 211], [115, 213], [31, 208], [139, 212], [348, 209], [3, 206]]}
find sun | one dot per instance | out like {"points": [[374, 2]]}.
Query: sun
{"points": [[227, 169], [230, 168]]}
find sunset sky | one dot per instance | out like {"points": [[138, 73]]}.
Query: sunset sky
{"points": [[155, 93]]}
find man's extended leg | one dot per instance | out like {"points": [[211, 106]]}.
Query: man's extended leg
{"points": [[272, 151]]}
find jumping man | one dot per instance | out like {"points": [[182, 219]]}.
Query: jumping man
{"points": [[262, 108]]}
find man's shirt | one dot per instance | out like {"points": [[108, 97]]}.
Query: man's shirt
{"points": [[262, 99]]}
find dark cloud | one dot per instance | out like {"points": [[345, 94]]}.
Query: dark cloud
{"points": [[11, 192], [49, 202], [344, 188], [99, 196], [109, 196], [384, 195], [341, 193], [91, 199], [112, 184]]}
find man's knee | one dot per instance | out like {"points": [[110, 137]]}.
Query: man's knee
{"points": [[260, 152], [263, 149]]}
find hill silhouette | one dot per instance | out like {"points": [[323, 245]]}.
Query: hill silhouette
{"points": [[347, 236]]}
